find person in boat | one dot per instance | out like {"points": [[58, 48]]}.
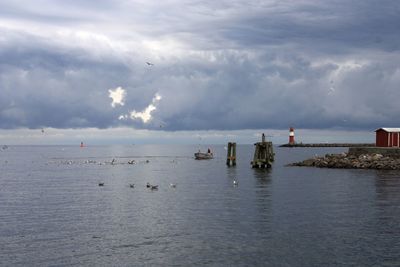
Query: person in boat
{"points": [[209, 151]]}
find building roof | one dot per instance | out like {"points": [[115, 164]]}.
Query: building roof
{"points": [[389, 130]]}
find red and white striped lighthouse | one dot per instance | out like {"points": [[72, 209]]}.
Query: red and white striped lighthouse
{"points": [[291, 136]]}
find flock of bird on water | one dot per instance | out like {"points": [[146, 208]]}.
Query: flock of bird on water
{"points": [[148, 185], [155, 187]]}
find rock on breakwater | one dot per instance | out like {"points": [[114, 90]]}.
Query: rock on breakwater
{"points": [[350, 161]]}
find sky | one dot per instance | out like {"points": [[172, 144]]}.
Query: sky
{"points": [[180, 69]]}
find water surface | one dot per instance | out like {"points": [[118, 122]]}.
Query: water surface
{"points": [[53, 213]]}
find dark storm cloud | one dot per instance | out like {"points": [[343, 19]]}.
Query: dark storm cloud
{"points": [[217, 64], [43, 85], [323, 26]]}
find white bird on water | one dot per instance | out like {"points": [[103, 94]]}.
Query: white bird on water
{"points": [[235, 183]]}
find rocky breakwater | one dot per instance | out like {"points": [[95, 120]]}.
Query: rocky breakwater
{"points": [[350, 161]]}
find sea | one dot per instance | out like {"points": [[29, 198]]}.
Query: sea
{"points": [[54, 213]]}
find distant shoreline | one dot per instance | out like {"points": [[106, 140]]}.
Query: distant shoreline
{"points": [[330, 145]]}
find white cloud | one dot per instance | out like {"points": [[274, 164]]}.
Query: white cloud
{"points": [[145, 115], [118, 96], [123, 117]]}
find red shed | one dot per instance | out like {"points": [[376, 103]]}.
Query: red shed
{"points": [[388, 137]]}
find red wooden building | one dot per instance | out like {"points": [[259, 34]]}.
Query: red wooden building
{"points": [[388, 137]]}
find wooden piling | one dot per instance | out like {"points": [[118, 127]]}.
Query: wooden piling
{"points": [[263, 154], [231, 156]]}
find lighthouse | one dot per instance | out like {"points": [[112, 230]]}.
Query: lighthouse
{"points": [[291, 136]]}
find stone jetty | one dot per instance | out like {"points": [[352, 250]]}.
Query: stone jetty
{"points": [[353, 161], [329, 145]]}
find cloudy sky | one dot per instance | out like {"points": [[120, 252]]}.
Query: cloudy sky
{"points": [[187, 66]]}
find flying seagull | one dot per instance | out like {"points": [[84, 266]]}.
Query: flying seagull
{"points": [[149, 63]]}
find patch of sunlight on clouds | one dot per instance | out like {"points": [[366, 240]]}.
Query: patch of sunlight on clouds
{"points": [[118, 96], [144, 115]]}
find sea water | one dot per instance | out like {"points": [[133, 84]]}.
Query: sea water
{"points": [[54, 213]]}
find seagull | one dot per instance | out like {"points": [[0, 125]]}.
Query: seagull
{"points": [[154, 187], [149, 63], [172, 185], [101, 184], [235, 183], [148, 185], [131, 185]]}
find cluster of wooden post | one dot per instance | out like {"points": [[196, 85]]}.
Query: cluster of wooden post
{"points": [[263, 154], [231, 156]]}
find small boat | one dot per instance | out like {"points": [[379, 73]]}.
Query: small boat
{"points": [[201, 155]]}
